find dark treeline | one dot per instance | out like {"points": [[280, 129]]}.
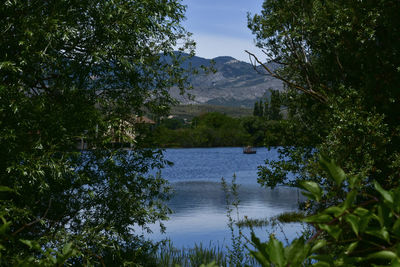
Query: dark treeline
{"points": [[207, 130], [215, 130], [269, 126], [266, 128]]}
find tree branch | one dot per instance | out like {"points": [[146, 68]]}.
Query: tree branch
{"points": [[321, 98], [33, 222]]}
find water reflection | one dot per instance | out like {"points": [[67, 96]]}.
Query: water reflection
{"points": [[199, 203], [203, 194], [200, 211]]}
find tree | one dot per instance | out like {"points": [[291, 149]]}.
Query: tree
{"points": [[73, 70], [275, 106], [340, 62], [256, 109], [261, 108], [266, 110]]}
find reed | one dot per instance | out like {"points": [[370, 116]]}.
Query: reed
{"points": [[168, 255], [286, 217]]}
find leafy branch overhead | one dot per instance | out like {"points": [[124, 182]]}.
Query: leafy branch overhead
{"points": [[340, 62], [76, 75], [318, 96], [348, 53]]}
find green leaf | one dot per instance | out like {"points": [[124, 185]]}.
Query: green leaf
{"points": [[385, 194], [395, 263], [312, 187], [323, 259], [353, 221], [260, 258], [27, 242], [396, 227], [297, 252], [332, 230], [5, 226], [353, 180], [351, 196], [351, 247], [5, 189], [212, 264], [31, 244], [336, 211], [335, 172], [276, 252], [361, 211], [67, 248], [319, 244], [261, 254], [318, 218], [321, 264], [384, 254], [381, 233]]}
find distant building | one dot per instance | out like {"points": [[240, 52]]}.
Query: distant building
{"points": [[122, 132]]}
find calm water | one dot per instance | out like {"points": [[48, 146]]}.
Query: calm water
{"points": [[199, 203]]}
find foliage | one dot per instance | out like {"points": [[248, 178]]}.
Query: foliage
{"points": [[274, 109], [237, 255], [73, 70], [271, 109], [363, 229], [340, 62], [286, 217], [212, 255], [216, 129], [256, 128], [207, 130], [172, 124], [258, 109]]}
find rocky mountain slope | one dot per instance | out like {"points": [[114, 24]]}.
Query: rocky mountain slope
{"points": [[235, 83]]}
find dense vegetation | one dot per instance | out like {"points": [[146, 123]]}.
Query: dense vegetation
{"points": [[82, 69], [270, 126], [363, 229], [73, 70], [340, 63], [341, 66], [208, 130], [216, 130]]}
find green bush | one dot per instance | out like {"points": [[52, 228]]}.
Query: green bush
{"points": [[363, 229]]}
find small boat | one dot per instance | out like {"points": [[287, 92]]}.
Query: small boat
{"points": [[249, 150]]}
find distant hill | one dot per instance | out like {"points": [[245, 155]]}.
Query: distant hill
{"points": [[235, 83]]}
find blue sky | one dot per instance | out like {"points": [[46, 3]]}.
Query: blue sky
{"points": [[219, 27]]}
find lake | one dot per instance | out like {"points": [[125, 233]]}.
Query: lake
{"points": [[199, 203]]}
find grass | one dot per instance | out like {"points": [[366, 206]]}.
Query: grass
{"points": [[168, 255], [199, 256], [248, 222], [286, 217], [289, 217]]}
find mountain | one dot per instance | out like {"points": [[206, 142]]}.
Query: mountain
{"points": [[236, 83]]}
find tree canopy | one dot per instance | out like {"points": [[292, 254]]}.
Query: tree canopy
{"points": [[80, 70], [340, 63]]}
